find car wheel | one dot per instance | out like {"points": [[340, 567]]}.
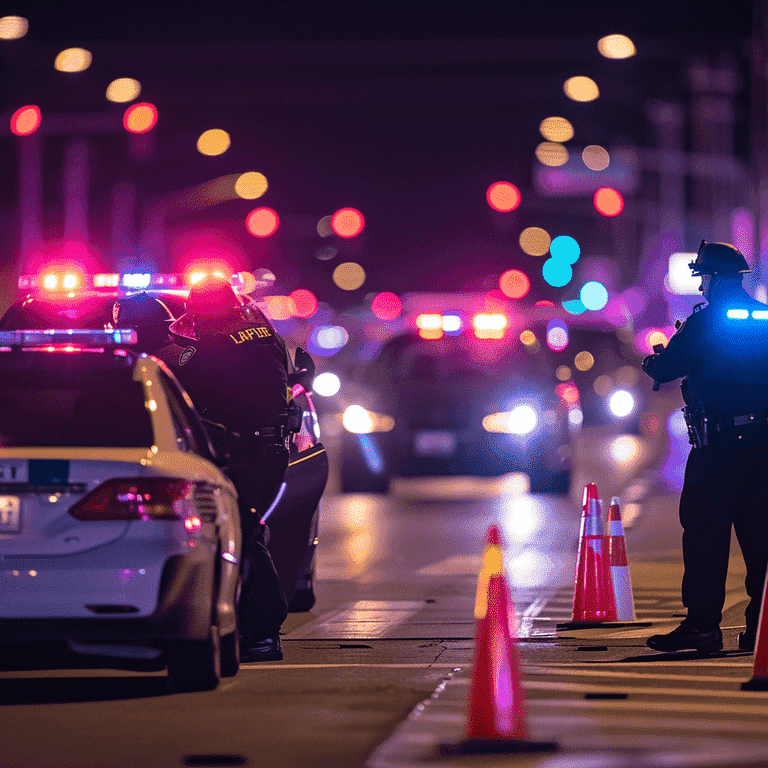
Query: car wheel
{"points": [[195, 665], [557, 482], [230, 654]]}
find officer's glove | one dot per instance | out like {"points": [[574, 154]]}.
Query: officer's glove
{"points": [[646, 361]]}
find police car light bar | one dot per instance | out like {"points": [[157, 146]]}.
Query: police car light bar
{"points": [[79, 336], [743, 314]]}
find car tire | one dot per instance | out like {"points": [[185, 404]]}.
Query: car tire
{"points": [[230, 654], [195, 665], [556, 482]]}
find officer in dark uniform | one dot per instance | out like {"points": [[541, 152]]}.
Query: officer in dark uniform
{"points": [[233, 365], [722, 351], [148, 316]]}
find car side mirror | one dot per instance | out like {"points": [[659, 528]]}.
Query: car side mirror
{"points": [[304, 372]]}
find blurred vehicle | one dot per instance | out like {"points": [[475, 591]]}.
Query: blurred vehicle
{"points": [[69, 299], [606, 370], [454, 404], [119, 535]]}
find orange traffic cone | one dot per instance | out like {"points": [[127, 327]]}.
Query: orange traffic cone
{"points": [[496, 717], [617, 557], [759, 679], [593, 598]]}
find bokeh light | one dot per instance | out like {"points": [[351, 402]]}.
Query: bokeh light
{"points": [[25, 120], [262, 222], [551, 153], [557, 272], [603, 385], [514, 284], [556, 129], [386, 305], [305, 302], [326, 340], [625, 450], [503, 196], [251, 185], [557, 335], [594, 295], [563, 372], [581, 88], [608, 201], [326, 384], [123, 89], [565, 248], [140, 118], [73, 60], [574, 306], [13, 27], [327, 253], [212, 142], [595, 157], [347, 222], [280, 307], [349, 276], [584, 360], [616, 47], [528, 338], [324, 228], [535, 241]]}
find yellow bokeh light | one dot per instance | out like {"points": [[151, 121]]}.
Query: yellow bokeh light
{"points": [[13, 27], [581, 88], [214, 142], [616, 47], [528, 338], [123, 89], [349, 276], [595, 157], [551, 153], [656, 337], [556, 129], [535, 241], [603, 385], [324, 228], [627, 376], [251, 185], [73, 60], [584, 360], [563, 373]]}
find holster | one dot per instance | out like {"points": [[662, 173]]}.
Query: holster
{"points": [[697, 424]]}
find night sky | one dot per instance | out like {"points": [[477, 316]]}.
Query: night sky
{"points": [[406, 111]]}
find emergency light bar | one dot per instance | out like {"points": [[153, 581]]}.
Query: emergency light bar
{"points": [[72, 336], [743, 314]]}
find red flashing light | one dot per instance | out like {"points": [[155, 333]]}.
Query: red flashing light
{"points": [[503, 196], [347, 222], [386, 306], [608, 201], [305, 302], [140, 118], [514, 283], [262, 222], [25, 120]]}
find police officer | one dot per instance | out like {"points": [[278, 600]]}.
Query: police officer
{"points": [[722, 351], [233, 365], [148, 316]]}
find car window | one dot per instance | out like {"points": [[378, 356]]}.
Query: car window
{"points": [[190, 435], [50, 408]]}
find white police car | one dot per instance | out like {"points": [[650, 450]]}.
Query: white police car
{"points": [[119, 536]]}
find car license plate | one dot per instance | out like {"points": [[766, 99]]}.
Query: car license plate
{"points": [[10, 514], [434, 442]]}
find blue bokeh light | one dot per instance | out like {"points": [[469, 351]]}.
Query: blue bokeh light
{"points": [[574, 306], [565, 248], [594, 295], [557, 272]]}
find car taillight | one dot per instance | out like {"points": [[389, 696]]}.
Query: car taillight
{"points": [[141, 498]]}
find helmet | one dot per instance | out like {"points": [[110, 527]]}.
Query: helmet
{"points": [[148, 315], [212, 296], [719, 259]]}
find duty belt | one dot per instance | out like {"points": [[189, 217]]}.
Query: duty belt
{"points": [[728, 422]]}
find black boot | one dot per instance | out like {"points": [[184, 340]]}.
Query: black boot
{"points": [[686, 637], [263, 649], [747, 639]]}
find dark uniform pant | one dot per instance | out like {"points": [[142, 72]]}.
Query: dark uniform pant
{"points": [[724, 486], [257, 472]]}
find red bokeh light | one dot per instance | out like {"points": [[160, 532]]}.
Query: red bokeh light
{"points": [[305, 301], [262, 222], [568, 391], [386, 306], [514, 283], [140, 118], [608, 201], [503, 196], [25, 120], [347, 222]]}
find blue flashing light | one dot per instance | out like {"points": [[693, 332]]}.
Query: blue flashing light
{"points": [[594, 295], [574, 306], [452, 324], [70, 336], [371, 453], [565, 248], [557, 272], [737, 314], [760, 314]]}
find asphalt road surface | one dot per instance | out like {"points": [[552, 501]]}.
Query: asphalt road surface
{"points": [[393, 628]]}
